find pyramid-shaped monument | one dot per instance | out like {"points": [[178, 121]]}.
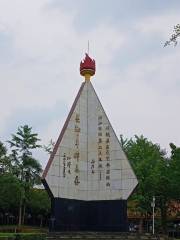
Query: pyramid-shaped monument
{"points": [[88, 176]]}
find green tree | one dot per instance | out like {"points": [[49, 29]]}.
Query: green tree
{"points": [[144, 157], [39, 204], [166, 183], [157, 174], [162, 189], [10, 191], [174, 165], [25, 167], [5, 165]]}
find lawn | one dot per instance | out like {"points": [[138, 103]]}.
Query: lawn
{"points": [[23, 236], [13, 234]]}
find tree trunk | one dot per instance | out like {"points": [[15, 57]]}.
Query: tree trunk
{"points": [[20, 213], [41, 221], [141, 224], [163, 209], [24, 212]]}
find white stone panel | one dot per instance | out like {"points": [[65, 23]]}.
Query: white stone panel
{"points": [[89, 163]]}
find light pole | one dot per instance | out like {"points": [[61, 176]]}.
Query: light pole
{"points": [[153, 206]]}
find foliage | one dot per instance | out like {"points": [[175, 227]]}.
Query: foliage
{"points": [[166, 179], [38, 205], [174, 36], [157, 175], [174, 166], [39, 202], [24, 166], [20, 172], [10, 189], [49, 147], [144, 156], [4, 160]]}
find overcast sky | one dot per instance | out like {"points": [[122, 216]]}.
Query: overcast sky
{"points": [[137, 80]]}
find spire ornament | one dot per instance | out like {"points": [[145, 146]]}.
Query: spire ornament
{"points": [[87, 67]]}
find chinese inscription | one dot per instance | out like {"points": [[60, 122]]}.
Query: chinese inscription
{"points": [[103, 150]]}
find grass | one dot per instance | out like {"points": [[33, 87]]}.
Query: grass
{"points": [[23, 229], [6, 235], [22, 236], [22, 233], [12, 234]]}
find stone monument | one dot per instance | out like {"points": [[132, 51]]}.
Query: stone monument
{"points": [[88, 176]]}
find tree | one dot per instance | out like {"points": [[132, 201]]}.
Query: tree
{"points": [[49, 148], [166, 179], [174, 36], [10, 191], [4, 160], [39, 204], [25, 167], [174, 165], [144, 157], [158, 175], [162, 189]]}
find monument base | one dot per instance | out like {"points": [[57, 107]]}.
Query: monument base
{"points": [[77, 215]]}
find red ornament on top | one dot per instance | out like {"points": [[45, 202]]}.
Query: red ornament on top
{"points": [[87, 66]]}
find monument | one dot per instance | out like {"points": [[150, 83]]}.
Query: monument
{"points": [[88, 176]]}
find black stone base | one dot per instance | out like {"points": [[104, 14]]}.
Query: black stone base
{"points": [[76, 215]]}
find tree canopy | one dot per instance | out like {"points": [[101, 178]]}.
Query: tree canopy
{"points": [[23, 169], [158, 175], [10, 191]]}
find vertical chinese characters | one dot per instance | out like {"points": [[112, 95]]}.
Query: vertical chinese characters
{"points": [[107, 153], [64, 165], [77, 152], [100, 165], [104, 151]]}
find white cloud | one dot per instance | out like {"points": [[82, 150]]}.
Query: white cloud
{"points": [[47, 49], [161, 24], [147, 99]]}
